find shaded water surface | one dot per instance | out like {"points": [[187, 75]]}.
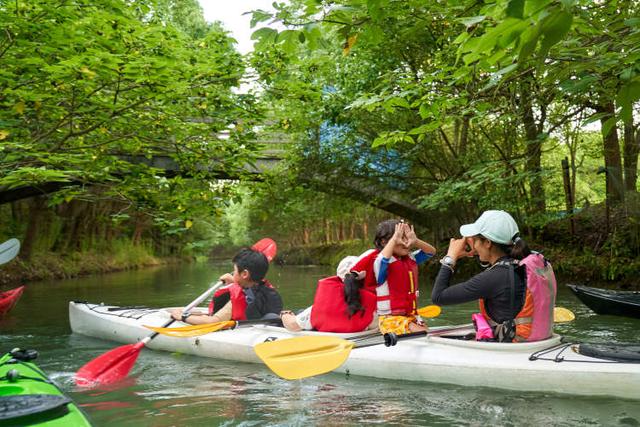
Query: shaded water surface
{"points": [[178, 390]]}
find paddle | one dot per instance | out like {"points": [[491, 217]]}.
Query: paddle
{"points": [[197, 330], [562, 315], [9, 250], [429, 311], [116, 364], [306, 356]]}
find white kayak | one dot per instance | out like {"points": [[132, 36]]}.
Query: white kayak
{"points": [[441, 357]]}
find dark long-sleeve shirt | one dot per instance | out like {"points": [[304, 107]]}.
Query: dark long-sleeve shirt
{"points": [[493, 285]]}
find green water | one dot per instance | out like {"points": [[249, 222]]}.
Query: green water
{"points": [[176, 390]]}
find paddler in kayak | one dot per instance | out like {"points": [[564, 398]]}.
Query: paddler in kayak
{"points": [[517, 291], [396, 272], [247, 295], [340, 304]]}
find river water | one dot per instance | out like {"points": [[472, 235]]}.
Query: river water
{"points": [[167, 389]]}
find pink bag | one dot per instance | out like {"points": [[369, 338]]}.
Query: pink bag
{"points": [[483, 330]]}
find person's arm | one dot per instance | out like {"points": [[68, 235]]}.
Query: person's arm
{"points": [[481, 285], [381, 263], [221, 315], [426, 250]]}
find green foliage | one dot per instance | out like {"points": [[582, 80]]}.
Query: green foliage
{"points": [[94, 94]]}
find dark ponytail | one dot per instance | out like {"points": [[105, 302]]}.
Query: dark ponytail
{"points": [[352, 294], [520, 249]]}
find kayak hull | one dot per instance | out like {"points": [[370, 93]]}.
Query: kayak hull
{"points": [[440, 359], [30, 398], [603, 301], [9, 299]]}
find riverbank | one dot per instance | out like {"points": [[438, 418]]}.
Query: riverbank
{"points": [[45, 266], [600, 249]]}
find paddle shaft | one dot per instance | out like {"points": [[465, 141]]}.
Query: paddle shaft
{"points": [[240, 323], [391, 339], [187, 309]]}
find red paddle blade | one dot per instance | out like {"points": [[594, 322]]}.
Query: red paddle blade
{"points": [[267, 246], [112, 366]]}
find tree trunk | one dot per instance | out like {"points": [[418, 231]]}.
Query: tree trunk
{"points": [[631, 150], [533, 152], [36, 207], [612, 159]]}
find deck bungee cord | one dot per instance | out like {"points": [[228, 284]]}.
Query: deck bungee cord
{"points": [[125, 312]]}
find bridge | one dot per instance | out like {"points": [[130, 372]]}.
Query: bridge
{"points": [[267, 160]]}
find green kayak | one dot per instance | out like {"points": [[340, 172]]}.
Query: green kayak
{"points": [[29, 398]]}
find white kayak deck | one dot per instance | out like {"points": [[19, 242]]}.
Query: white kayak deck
{"points": [[559, 367]]}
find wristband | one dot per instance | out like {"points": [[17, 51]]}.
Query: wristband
{"points": [[185, 316], [448, 262]]}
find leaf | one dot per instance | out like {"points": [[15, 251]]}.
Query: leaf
{"points": [[530, 40], [4, 134], [632, 22], [627, 95], [594, 118], [264, 34], [19, 107], [553, 29], [188, 223], [471, 20], [258, 16], [515, 9]]}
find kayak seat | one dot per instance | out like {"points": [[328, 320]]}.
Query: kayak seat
{"points": [[27, 409], [628, 353]]}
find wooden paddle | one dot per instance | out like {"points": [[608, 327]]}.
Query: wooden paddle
{"points": [[9, 250], [115, 364], [307, 356], [429, 311]]}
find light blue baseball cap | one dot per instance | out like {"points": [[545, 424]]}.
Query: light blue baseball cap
{"points": [[497, 226]]}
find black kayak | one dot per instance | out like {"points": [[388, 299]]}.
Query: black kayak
{"points": [[604, 301]]}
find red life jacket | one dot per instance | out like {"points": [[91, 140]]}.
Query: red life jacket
{"points": [[330, 312], [399, 294], [365, 263], [238, 300]]}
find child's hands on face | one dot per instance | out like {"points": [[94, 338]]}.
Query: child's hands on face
{"points": [[398, 233], [409, 235]]}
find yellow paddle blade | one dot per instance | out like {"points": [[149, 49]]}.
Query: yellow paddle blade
{"points": [[303, 357], [561, 315], [430, 311], [193, 330]]}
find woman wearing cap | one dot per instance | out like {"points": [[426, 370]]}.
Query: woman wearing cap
{"points": [[340, 304], [516, 292]]}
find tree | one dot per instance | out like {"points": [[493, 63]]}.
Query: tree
{"points": [[92, 90]]}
